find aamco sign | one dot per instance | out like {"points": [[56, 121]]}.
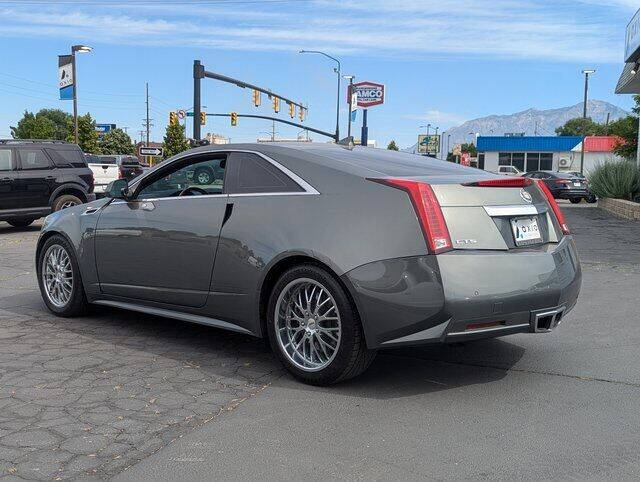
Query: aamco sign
{"points": [[368, 93]]}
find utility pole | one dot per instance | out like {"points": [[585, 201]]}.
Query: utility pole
{"points": [[273, 131], [586, 73], [606, 126], [147, 124], [350, 79]]}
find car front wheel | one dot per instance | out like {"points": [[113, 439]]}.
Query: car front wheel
{"points": [[20, 223], [59, 278], [314, 327], [575, 200]]}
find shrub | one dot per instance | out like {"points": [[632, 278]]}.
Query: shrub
{"points": [[615, 179]]}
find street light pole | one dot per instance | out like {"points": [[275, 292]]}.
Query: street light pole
{"points": [[74, 49], [338, 72], [350, 79], [586, 73]]}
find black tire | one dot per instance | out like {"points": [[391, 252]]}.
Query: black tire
{"points": [[352, 356], [575, 200], [21, 223], [203, 176], [77, 303], [592, 199], [65, 201]]}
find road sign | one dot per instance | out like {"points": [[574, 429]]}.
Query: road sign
{"points": [[182, 114], [150, 151], [429, 145], [465, 159], [368, 94]]}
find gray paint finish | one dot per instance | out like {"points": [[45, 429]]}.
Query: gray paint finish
{"points": [[174, 255]]}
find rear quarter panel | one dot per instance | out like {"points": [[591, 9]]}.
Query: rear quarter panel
{"points": [[362, 224]]}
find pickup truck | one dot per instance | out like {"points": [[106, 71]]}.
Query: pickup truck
{"points": [[107, 168]]}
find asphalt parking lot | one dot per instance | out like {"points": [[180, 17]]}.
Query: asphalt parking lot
{"points": [[130, 396]]}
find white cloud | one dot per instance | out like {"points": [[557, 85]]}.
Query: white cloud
{"points": [[556, 31], [438, 117]]}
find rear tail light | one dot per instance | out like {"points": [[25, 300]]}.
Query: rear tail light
{"points": [[562, 181], [434, 228], [120, 173], [506, 182], [554, 206]]}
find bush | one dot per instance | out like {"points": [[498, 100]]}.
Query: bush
{"points": [[615, 179]]}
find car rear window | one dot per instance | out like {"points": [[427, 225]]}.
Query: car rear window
{"points": [[130, 161], [107, 160], [67, 157], [253, 174]]}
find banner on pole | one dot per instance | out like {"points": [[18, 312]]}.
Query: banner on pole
{"points": [[65, 77]]}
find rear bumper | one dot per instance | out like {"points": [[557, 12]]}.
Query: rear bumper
{"points": [[464, 294], [572, 194]]}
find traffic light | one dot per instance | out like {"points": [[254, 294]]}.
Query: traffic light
{"points": [[302, 113], [234, 119], [256, 98], [203, 118], [173, 118], [292, 110], [276, 104]]}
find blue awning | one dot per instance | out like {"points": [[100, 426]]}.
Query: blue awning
{"points": [[527, 143]]}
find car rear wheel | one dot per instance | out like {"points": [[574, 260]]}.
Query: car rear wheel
{"points": [[575, 200], [66, 201], [21, 223], [59, 278], [314, 327]]}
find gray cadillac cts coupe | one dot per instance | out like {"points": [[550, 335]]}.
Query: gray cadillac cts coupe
{"points": [[333, 253]]}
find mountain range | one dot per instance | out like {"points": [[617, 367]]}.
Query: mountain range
{"points": [[531, 122]]}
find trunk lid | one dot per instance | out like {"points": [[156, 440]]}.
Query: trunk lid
{"points": [[496, 218]]}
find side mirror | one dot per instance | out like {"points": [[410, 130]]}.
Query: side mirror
{"points": [[118, 189]]}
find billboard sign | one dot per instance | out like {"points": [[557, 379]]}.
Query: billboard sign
{"points": [[632, 39], [65, 77], [465, 159], [428, 145], [102, 129], [368, 94]]}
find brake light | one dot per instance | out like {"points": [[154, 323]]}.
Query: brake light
{"points": [[434, 228], [554, 206], [506, 182], [563, 181]]}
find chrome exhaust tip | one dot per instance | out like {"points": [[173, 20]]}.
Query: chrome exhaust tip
{"points": [[547, 320]]}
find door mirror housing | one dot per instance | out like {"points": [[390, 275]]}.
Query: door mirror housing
{"points": [[118, 189]]}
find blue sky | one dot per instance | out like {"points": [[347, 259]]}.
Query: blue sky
{"points": [[442, 62]]}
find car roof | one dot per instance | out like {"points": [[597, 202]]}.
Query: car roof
{"points": [[31, 142], [358, 161]]}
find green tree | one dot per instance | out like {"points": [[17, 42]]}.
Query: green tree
{"points": [[46, 124], [174, 140], [470, 148], [116, 141], [32, 127], [392, 146], [580, 126], [87, 135], [626, 128]]}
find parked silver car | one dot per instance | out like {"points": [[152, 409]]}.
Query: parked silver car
{"points": [[333, 253]]}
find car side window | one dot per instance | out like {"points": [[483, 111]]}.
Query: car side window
{"points": [[6, 160], [33, 159], [251, 174], [204, 175], [66, 157]]}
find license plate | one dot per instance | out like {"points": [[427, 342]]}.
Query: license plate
{"points": [[526, 231], [577, 184]]}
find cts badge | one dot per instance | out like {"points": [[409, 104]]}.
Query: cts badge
{"points": [[525, 196]]}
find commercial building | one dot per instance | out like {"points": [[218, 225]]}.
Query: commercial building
{"points": [[548, 153]]}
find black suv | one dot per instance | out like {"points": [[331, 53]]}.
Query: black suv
{"points": [[38, 177]]}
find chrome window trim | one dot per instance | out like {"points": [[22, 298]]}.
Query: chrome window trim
{"points": [[307, 188]]}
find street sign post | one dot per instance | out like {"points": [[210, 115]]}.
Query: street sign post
{"points": [[150, 151], [428, 145]]}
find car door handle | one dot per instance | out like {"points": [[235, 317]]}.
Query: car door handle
{"points": [[147, 206], [50, 178]]}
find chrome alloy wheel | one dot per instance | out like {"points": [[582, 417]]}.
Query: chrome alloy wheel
{"points": [[67, 204], [307, 324], [57, 275], [203, 178]]}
